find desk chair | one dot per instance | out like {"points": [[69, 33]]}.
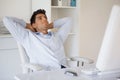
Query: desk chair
{"points": [[25, 62], [27, 67]]}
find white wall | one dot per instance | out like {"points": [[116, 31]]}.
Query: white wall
{"points": [[94, 18], [17, 8]]}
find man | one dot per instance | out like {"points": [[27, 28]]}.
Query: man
{"points": [[43, 47]]}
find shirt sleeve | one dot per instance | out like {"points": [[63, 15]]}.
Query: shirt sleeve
{"points": [[64, 25], [16, 27]]}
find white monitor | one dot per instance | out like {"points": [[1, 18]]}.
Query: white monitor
{"points": [[109, 56]]}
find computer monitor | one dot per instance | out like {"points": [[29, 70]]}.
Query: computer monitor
{"points": [[109, 56]]}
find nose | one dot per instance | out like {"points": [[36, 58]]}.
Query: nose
{"points": [[45, 20]]}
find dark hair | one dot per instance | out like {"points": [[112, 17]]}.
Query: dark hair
{"points": [[39, 11]]}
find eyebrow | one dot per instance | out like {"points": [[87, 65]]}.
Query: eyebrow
{"points": [[39, 17], [42, 16]]}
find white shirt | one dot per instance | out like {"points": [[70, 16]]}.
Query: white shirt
{"points": [[43, 49]]}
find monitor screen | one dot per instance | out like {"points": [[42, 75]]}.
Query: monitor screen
{"points": [[109, 56]]}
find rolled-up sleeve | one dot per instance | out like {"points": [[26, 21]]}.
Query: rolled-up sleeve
{"points": [[16, 27]]}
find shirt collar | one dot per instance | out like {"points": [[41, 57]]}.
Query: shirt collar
{"points": [[44, 35]]}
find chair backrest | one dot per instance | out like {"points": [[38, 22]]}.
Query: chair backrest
{"points": [[23, 57]]}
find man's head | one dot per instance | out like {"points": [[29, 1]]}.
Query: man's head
{"points": [[39, 20]]}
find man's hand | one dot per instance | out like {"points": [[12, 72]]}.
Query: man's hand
{"points": [[28, 26], [50, 26]]}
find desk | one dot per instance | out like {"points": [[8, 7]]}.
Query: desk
{"points": [[59, 75]]}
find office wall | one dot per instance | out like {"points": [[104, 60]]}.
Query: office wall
{"points": [[17, 8], [94, 18]]}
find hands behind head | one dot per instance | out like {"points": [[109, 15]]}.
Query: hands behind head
{"points": [[50, 26]]}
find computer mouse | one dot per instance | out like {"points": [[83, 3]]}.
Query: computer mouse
{"points": [[71, 73], [118, 78]]}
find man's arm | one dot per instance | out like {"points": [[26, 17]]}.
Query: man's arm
{"points": [[16, 27], [64, 25]]}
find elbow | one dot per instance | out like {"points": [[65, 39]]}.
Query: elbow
{"points": [[5, 19], [69, 19]]}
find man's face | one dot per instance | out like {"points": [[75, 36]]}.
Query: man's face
{"points": [[41, 22]]}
